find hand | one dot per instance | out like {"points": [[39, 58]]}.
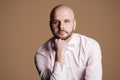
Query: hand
{"points": [[60, 49]]}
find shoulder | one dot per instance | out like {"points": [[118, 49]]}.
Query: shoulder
{"points": [[85, 39], [46, 47], [89, 44]]}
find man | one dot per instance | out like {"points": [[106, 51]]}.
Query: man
{"points": [[68, 55]]}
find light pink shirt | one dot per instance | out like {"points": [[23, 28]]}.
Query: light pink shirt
{"points": [[82, 60]]}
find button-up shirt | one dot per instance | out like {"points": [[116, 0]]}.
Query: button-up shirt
{"points": [[83, 60]]}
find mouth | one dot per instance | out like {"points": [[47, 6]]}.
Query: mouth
{"points": [[62, 32]]}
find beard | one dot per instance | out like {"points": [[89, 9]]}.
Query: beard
{"points": [[62, 34]]}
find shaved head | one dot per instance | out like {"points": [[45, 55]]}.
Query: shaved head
{"points": [[60, 8]]}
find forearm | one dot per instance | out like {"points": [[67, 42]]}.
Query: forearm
{"points": [[58, 73]]}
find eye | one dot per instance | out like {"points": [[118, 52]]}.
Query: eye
{"points": [[55, 22], [67, 21]]}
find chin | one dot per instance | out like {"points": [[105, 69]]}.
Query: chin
{"points": [[64, 38]]}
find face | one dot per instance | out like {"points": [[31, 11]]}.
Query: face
{"points": [[63, 23]]}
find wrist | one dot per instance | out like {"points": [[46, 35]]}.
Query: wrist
{"points": [[59, 58], [60, 61]]}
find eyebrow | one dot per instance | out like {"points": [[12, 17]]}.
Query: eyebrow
{"points": [[59, 20]]}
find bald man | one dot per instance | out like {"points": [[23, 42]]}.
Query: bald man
{"points": [[68, 55]]}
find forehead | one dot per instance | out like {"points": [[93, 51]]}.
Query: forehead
{"points": [[63, 13]]}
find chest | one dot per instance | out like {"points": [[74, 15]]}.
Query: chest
{"points": [[75, 58]]}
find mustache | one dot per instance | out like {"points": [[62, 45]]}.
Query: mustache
{"points": [[62, 31]]}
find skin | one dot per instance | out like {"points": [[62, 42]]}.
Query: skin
{"points": [[62, 25]]}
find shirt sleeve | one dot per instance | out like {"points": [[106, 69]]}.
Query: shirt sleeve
{"points": [[94, 62], [59, 72], [46, 72]]}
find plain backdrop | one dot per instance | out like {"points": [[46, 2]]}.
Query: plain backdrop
{"points": [[24, 27]]}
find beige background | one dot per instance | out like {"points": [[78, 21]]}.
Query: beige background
{"points": [[24, 28]]}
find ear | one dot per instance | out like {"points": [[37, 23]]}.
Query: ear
{"points": [[50, 24], [74, 25]]}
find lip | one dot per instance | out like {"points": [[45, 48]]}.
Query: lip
{"points": [[62, 32]]}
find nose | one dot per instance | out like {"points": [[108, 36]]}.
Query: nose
{"points": [[61, 25]]}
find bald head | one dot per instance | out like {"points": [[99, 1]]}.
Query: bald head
{"points": [[59, 9], [62, 22]]}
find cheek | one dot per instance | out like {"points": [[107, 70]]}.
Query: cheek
{"points": [[55, 29], [69, 26], [69, 29]]}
